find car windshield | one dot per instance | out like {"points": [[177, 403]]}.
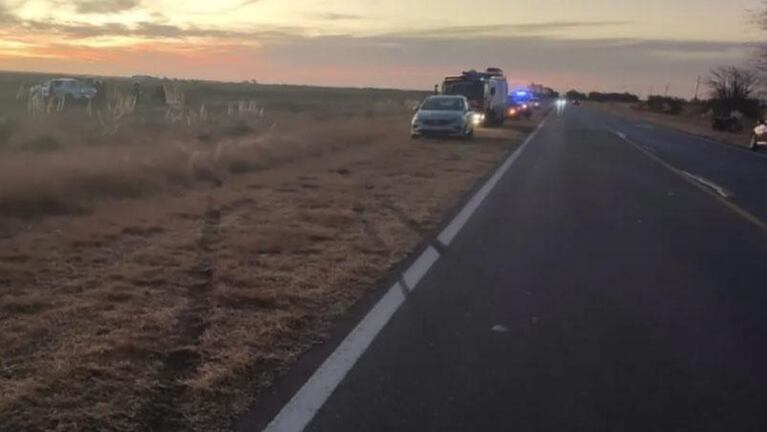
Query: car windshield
{"points": [[443, 104], [473, 90]]}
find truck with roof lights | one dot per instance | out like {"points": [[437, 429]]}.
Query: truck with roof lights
{"points": [[486, 91]]}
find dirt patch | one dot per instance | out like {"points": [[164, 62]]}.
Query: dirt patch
{"points": [[174, 310]]}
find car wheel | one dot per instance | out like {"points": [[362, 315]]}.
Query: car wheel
{"points": [[414, 136]]}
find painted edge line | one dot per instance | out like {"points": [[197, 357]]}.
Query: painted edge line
{"points": [[725, 145], [724, 193], [454, 227], [305, 404], [418, 270], [760, 224], [309, 399]]}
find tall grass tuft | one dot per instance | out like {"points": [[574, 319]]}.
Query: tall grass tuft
{"points": [[175, 100], [22, 92], [36, 105], [117, 107]]}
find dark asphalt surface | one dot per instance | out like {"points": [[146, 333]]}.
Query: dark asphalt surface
{"points": [[633, 301], [741, 172]]}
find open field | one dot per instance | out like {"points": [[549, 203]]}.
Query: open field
{"points": [[693, 123], [159, 278]]}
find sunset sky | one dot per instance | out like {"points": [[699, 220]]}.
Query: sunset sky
{"points": [[588, 44]]}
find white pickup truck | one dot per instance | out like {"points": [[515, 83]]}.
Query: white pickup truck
{"points": [[68, 88]]}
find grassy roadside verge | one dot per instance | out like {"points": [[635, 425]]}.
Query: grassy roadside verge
{"points": [[174, 311]]}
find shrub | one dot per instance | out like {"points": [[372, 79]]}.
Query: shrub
{"points": [[42, 144], [665, 104], [33, 201], [238, 130], [724, 107], [243, 166], [113, 185], [7, 128]]}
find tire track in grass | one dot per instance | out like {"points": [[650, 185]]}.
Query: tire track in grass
{"points": [[162, 411]]}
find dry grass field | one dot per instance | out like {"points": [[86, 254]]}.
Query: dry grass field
{"points": [[162, 276]]}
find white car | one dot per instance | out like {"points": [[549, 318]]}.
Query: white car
{"points": [[444, 116]]}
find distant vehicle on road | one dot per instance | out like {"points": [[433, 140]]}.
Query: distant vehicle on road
{"points": [[517, 111], [485, 91], [759, 136], [67, 88], [520, 104], [445, 116]]}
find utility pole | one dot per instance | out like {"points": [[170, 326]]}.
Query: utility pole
{"points": [[697, 87], [665, 93]]}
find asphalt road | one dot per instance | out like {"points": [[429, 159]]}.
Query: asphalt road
{"points": [[594, 289], [741, 173]]}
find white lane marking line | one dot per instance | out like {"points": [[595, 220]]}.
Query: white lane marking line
{"points": [[759, 223], [499, 329], [304, 405], [302, 408], [724, 193], [624, 137], [448, 234], [419, 268]]}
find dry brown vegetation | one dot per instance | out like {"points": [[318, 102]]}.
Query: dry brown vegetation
{"points": [[161, 283]]}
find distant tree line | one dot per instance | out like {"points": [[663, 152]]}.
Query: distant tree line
{"points": [[602, 97], [613, 97], [575, 95]]}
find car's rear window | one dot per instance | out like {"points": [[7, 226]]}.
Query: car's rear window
{"points": [[443, 104]]}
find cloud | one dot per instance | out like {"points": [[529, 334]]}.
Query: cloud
{"points": [[152, 30], [505, 29], [104, 6], [412, 59], [5, 15], [334, 16], [599, 64]]}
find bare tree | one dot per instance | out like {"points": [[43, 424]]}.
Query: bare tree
{"points": [[759, 19], [732, 83]]}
